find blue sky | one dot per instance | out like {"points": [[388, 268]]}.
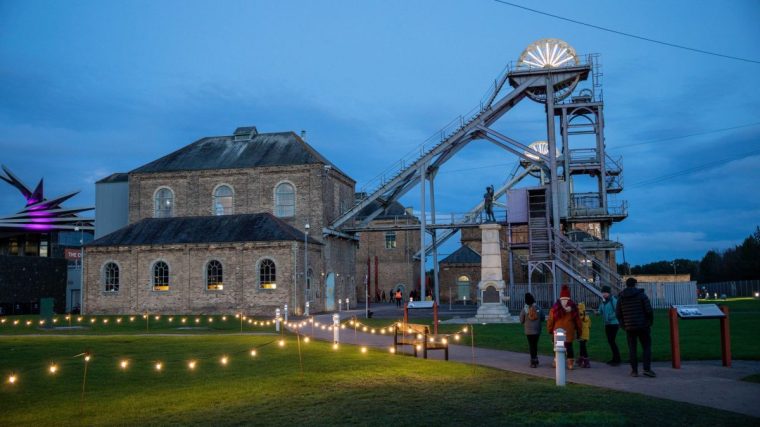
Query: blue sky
{"points": [[88, 88]]}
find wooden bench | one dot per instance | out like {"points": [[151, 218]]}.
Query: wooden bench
{"points": [[418, 335]]}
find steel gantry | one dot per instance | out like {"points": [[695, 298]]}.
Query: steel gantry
{"points": [[547, 72]]}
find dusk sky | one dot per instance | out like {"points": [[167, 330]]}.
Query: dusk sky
{"points": [[88, 88]]}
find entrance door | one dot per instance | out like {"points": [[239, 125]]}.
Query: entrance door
{"points": [[76, 300], [330, 292]]}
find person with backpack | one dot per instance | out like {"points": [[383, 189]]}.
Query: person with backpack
{"points": [[564, 315], [531, 317], [607, 311], [634, 312], [583, 361]]}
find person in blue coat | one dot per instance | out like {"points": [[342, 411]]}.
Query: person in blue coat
{"points": [[611, 326]]}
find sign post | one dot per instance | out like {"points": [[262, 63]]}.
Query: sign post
{"points": [[697, 312]]}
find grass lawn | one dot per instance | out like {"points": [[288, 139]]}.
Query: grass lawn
{"points": [[344, 387], [700, 339]]}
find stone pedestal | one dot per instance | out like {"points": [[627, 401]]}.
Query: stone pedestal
{"points": [[492, 289]]}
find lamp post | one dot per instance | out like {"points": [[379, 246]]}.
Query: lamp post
{"points": [[306, 267]]}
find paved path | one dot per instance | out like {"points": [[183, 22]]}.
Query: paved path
{"points": [[701, 383]]}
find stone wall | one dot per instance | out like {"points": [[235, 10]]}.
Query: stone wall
{"points": [[396, 266]]}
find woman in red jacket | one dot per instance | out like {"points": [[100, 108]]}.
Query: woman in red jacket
{"points": [[564, 315]]}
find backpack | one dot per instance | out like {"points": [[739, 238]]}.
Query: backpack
{"points": [[532, 313]]}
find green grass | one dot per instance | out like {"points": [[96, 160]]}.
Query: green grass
{"points": [[343, 387], [700, 339]]}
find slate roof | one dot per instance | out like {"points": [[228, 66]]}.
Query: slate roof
{"points": [[233, 152], [395, 210], [260, 227], [463, 255], [114, 177]]}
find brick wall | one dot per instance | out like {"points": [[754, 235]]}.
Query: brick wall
{"points": [[396, 266]]}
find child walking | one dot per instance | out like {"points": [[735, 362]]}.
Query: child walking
{"points": [[531, 317], [583, 361]]}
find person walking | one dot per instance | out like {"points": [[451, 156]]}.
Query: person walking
{"points": [[531, 317], [585, 334], [564, 314], [611, 326], [635, 315], [398, 297]]}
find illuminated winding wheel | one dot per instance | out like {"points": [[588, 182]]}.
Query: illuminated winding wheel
{"points": [[550, 53]]}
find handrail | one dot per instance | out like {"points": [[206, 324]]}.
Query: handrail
{"points": [[567, 243]]}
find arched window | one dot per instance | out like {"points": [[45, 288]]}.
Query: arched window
{"points": [[463, 287], [214, 276], [223, 200], [267, 274], [163, 203], [160, 276], [111, 277], [285, 200]]}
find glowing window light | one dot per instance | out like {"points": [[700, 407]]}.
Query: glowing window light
{"points": [[53, 369], [159, 366], [12, 379], [191, 365], [224, 360], [253, 353], [124, 364]]}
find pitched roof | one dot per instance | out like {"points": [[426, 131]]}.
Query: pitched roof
{"points": [[260, 227], [394, 210], [114, 177], [463, 255], [241, 150]]}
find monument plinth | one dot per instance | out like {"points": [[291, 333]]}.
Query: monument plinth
{"points": [[492, 290]]}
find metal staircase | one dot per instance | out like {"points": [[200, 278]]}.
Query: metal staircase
{"points": [[548, 246]]}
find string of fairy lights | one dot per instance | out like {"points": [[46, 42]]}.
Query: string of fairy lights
{"points": [[301, 329]]}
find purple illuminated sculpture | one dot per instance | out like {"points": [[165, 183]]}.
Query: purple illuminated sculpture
{"points": [[41, 214]]}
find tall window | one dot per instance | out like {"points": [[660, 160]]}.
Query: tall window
{"points": [[390, 240], [267, 274], [463, 287], [111, 277], [214, 276], [285, 201], [160, 276], [223, 200], [164, 203]]}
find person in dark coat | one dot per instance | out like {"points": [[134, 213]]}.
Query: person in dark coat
{"points": [[634, 312], [531, 317]]}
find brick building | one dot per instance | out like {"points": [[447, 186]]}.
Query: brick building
{"points": [[385, 259], [219, 226]]}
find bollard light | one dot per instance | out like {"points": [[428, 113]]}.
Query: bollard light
{"points": [[559, 358]]}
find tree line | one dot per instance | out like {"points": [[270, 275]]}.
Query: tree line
{"points": [[742, 262]]}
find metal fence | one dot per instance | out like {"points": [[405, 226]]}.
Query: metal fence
{"points": [[737, 288], [661, 294]]}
